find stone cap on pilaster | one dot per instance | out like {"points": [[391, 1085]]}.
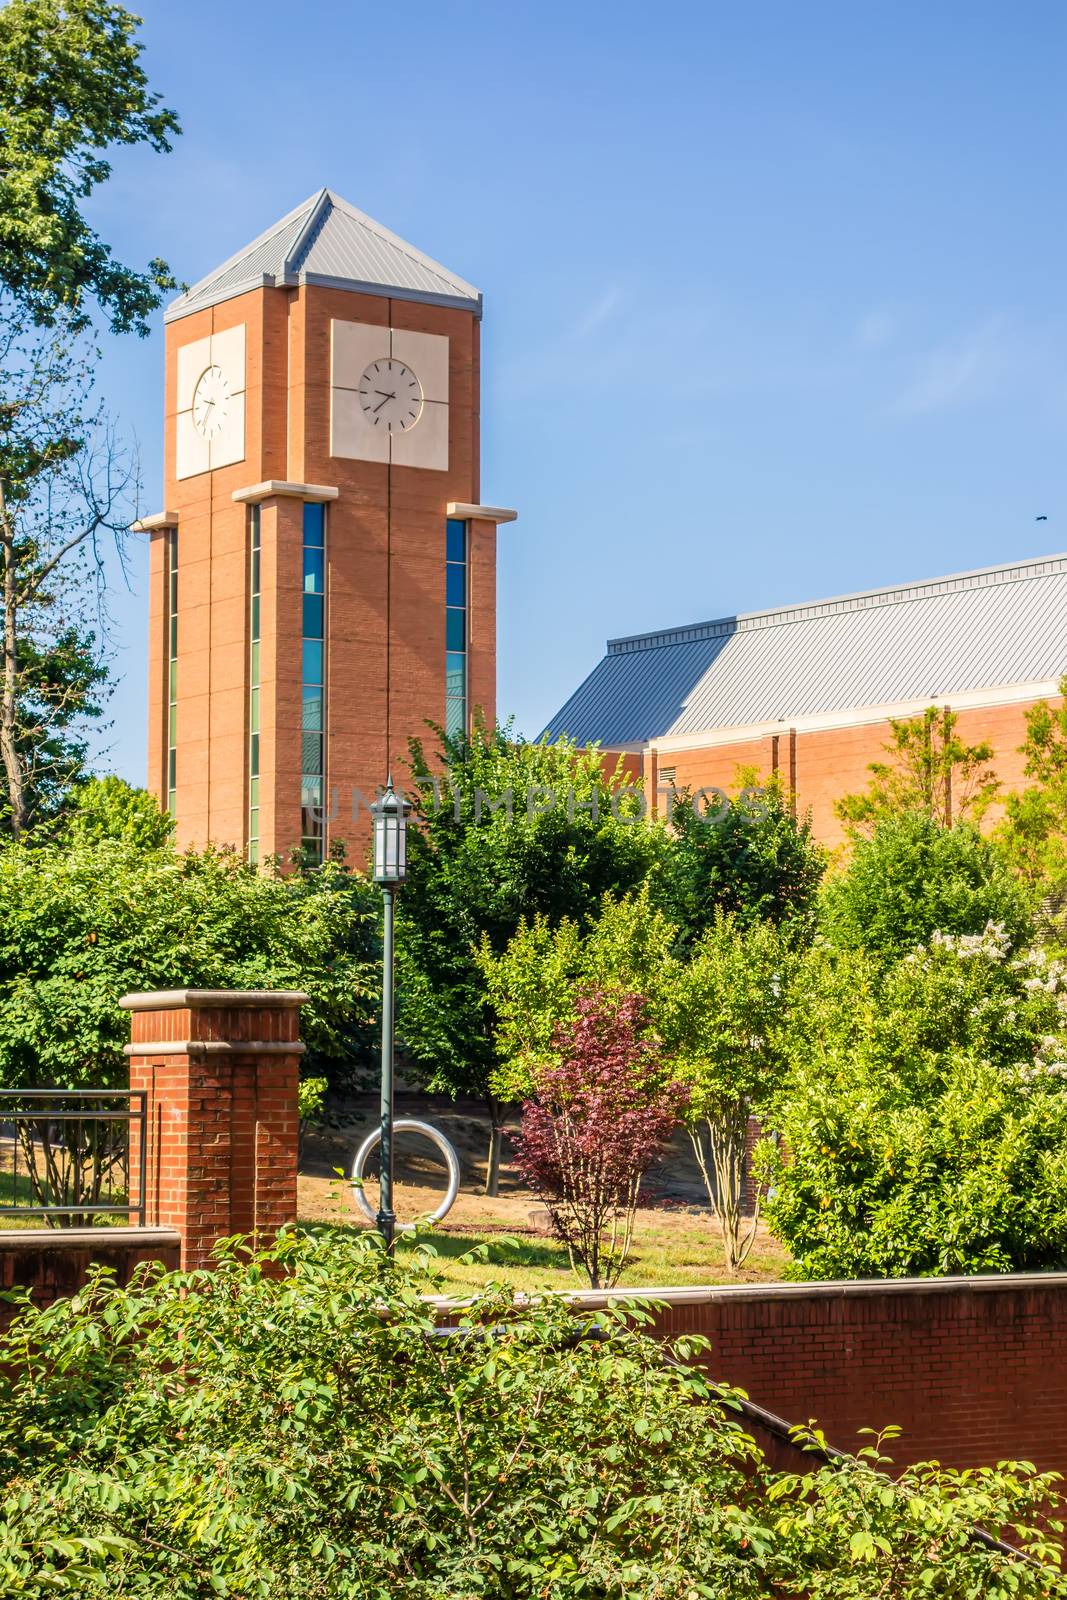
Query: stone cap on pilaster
{"points": [[190, 999], [472, 513], [274, 488], [258, 1022]]}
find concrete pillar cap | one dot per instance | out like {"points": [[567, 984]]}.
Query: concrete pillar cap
{"points": [[192, 999]]}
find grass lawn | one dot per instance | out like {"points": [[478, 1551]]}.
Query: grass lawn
{"points": [[675, 1242], [671, 1245]]}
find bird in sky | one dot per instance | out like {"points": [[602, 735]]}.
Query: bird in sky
{"points": [[1040, 519]]}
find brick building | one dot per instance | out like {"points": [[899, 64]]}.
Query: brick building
{"points": [[807, 691], [323, 578]]}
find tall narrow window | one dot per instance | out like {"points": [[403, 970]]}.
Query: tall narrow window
{"points": [[172, 670], [313, 711], [455, 628], [254, 587]]}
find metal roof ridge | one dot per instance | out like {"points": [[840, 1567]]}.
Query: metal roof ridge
{"points": [[202, 284], [413, 253], [320, 210], [805, 610]]}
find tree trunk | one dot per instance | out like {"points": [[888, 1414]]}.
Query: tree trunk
{"points": [[496, 1145], [9, 755]]}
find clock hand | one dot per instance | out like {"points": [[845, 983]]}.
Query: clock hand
{"points": [[381, 403]]}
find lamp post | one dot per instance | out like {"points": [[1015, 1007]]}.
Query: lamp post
{"points": [[390, 821]]}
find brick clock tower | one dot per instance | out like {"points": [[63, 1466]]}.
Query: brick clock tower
{"points": [[323, 580]]}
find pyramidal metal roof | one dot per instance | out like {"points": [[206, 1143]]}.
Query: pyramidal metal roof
{"points": [[993, 628], [327, 241]]}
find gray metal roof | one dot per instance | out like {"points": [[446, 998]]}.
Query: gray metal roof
{"points": [[327, 241], [923, 641]]}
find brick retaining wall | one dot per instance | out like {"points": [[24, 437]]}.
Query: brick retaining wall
{"points": [[973, 1369], [55, 1261]]}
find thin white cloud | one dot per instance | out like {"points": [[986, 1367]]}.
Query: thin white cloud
{"points": [[961, 370], [599, 312]]}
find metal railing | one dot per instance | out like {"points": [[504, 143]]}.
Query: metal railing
{"points": [[65, 1155]]}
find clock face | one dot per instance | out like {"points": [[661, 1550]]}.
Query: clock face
{"points": [[211, 403], [391, 395]]}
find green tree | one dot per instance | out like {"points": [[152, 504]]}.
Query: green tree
{"points": [[915, 877], [62, 685], [925, 1112], [71, 87], [932, 771], [316, 1439], [749, 857], [534, 984], [511, 830], [111, 808], [1033, 833], [717, 1012], [83, 923], [721, 1022], [67, 489]]}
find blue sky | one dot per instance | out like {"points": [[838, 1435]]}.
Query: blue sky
{"points": [[775, 301]]}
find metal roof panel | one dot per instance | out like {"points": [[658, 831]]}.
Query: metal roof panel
{"points": [[987, 629], [327, 240]]}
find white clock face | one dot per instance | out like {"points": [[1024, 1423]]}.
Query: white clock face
{"points": [[211, 403], [391, 395]]}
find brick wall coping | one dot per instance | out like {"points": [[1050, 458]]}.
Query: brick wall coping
{"points": [[191, 999], [827, 1289], [23, 1239]]}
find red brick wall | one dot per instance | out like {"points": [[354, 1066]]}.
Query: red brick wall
{"points": [[220, 1072], [385, 585], [823, 764], [51, 1262], [974, 1370]]}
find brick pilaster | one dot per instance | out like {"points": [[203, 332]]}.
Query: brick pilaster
{"points": [[220, 1071]]}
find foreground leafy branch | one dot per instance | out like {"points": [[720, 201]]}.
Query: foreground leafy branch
{"points": [[296, 1425]]}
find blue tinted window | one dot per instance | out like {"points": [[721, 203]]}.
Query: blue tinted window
{"points": [[455, 717], [455, 629], [312, 661], [455, 673], [455, 541], [314, 523], [455, 585], [312, 707], [314, 569], [311, 753], [313, 613]]}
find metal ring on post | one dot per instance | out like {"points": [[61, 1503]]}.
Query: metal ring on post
{"points": [[435, 1136]]}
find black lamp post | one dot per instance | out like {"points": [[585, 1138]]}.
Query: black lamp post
{"points": [[390, 814]]}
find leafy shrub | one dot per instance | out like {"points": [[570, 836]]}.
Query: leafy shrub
{"points": [[535, 983], [716, 1009], [522, 829], [596, 1123], [753, 860], [925, 1114], [913, 878], [84, 923], [721, 1024], [269, 1434]]}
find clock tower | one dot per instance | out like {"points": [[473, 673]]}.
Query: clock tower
{"points": [[323, 580]]}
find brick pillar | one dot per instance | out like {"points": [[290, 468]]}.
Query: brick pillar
{"points": [[220, 1070]]}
